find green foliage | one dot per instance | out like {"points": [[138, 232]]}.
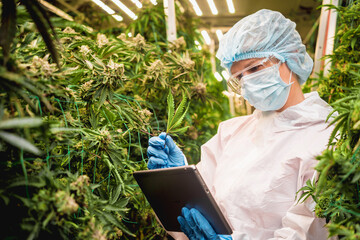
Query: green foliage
{"points": [[345, 57], [8, 26], [176, 117], [337, 192], [91, 121], [64, 205], [151, 24]]}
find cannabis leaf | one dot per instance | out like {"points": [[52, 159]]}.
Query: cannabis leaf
{"points": [[307, 191], [175, 117]]}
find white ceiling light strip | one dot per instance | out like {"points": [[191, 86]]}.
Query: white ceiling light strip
{"points": [[225, 74], [206, 37], [212, 7], [108, 10], [198, 45], [219, 34], [196, 7], [230, 6], [137, 3], [153, 2], [218, 76], [130, 13], [104, 6], [117, 17]]}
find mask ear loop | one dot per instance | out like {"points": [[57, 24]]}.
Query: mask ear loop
{"points": [[290, 83]]}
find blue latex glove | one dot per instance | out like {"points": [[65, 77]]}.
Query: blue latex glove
{"points": [[164, 154], [196, 227]]}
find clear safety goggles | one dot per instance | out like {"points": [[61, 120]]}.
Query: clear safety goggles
{"points": [[234, 81]]}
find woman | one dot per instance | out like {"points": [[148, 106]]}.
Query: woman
{"points": [[255, 164]]}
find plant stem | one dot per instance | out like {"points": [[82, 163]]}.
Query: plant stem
{"points": [[147, 132], [165, 139]]}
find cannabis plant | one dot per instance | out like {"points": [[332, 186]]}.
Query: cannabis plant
{"points": [[91, 121], [337, 192]]}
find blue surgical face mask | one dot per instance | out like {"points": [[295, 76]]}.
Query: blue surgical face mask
{"points": [[265, 90]]}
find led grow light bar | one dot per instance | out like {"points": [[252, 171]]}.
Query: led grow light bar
{"points": [[137, 3], [117, 17], [206, 37], [198, 45], [130, 13], [153, 2], [196, 7], [225, 74], [104, 7], [218, 76], [108, 10], [230, 6], [212, 7], [219, 34]]}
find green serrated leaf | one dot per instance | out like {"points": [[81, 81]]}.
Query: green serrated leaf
{"points": [[171, 108], [122, 203], [115, 194], [353, 42], [89, 131], [89, 64], [21, 123], [103, 97], [180, 130], [113, 220], [114, 208], [181, 118], [109, 115], [335, 130], [19, 142], [179, 111], [98, 61]]}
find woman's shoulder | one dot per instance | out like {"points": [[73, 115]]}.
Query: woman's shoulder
{"points": [[236, 122]]}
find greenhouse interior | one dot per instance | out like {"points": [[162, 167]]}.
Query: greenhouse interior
{"points": [[180, 119]]}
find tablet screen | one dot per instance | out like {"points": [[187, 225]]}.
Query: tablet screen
{"points": [[168, 190]]}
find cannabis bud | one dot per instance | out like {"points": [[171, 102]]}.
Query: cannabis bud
{"points": [[122, 37], [65, 203], [199, 89], [85, 50], [105, 137], [43, 65], [187, 63], [156, 68], [178, 44], [193, 133], [114, 66], [69, 30], [81, 182], [101, 40], [85, 88], [145, 115], [139, 42]]}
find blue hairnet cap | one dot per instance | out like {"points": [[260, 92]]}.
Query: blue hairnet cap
{"points": [[263, 34]]}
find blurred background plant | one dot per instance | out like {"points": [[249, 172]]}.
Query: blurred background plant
{"points": [[75, 121], [337, 192]]}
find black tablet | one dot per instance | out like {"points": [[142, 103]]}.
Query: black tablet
{"points": [[168, 190]]}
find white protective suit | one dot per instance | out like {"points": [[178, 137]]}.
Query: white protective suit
{"points": [[255, 165]]}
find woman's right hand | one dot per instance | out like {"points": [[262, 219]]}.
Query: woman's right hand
{"points": [[163, 152]]}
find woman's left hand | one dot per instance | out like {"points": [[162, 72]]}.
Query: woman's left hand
{"points": [[196, 226]]}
